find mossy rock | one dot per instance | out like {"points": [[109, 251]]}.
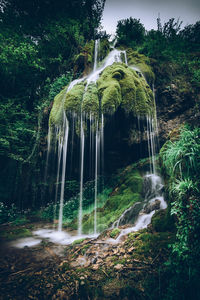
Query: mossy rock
{"points": [[115, 233], [56, 115], [120, 85], [162, 221], [117, 86], [142, 62], [90, 102], [73, 98], [77, 242]]}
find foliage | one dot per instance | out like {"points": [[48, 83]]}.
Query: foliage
{"points": [[8, 214], [114, 233], [181, 159], [71, 206], [16, 130], [130, 32], [58, 84], [38, 43]]}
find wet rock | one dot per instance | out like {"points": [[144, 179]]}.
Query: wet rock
{"points": [[131, 214], [152, 206]]}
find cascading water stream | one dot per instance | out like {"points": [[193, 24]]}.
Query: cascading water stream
{"points": [[96, 48], [48, 152], [96, 180], [64, 158], [60, 146], [102, 147], [96, 153], [80, 217], [114, 56]]}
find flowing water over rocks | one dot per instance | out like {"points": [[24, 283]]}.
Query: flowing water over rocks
{"points": [[89, 128]]}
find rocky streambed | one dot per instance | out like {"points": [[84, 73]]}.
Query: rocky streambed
{"points": [[86, 269]]}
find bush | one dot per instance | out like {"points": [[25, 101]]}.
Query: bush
{"points": [[7, 214]]}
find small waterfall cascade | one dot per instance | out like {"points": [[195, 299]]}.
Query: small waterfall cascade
{"points": [[151, 138], [59, 138], [48, 152], [114, 56], [64, 159], [97, 43], [98, 157], [82, 147], [142, 212]]}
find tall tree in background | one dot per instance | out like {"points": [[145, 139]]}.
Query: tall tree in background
{"points": [[130, 32]]}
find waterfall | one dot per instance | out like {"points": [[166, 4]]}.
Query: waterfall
{"points": [[81, 178], [153, 201], [151, 137], [102, 146], [48, 152], [96, 183], [97, 42], [60, 146], [64, 158], [95, 126], [114, 56]]}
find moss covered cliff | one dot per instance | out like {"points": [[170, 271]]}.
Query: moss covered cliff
{"points": [[117, 86]]}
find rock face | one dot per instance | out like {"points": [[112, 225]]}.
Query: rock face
{"points": [[176, 99]]}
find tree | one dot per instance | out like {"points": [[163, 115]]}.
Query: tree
{"points": [[130, 32]]}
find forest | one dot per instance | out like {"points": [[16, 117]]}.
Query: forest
{"points": [[99, 153]]}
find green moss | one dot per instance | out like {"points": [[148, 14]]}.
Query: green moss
{"points": [[91, 100], [109, 90], [73, 99], [119, 84], [118, 202], [162, 221], [114, 233], [56, 114], [15, 233], [77, 242], [142, 63], [104, 49]]}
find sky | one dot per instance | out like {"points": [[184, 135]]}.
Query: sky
{"points": [[148, 10]]}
